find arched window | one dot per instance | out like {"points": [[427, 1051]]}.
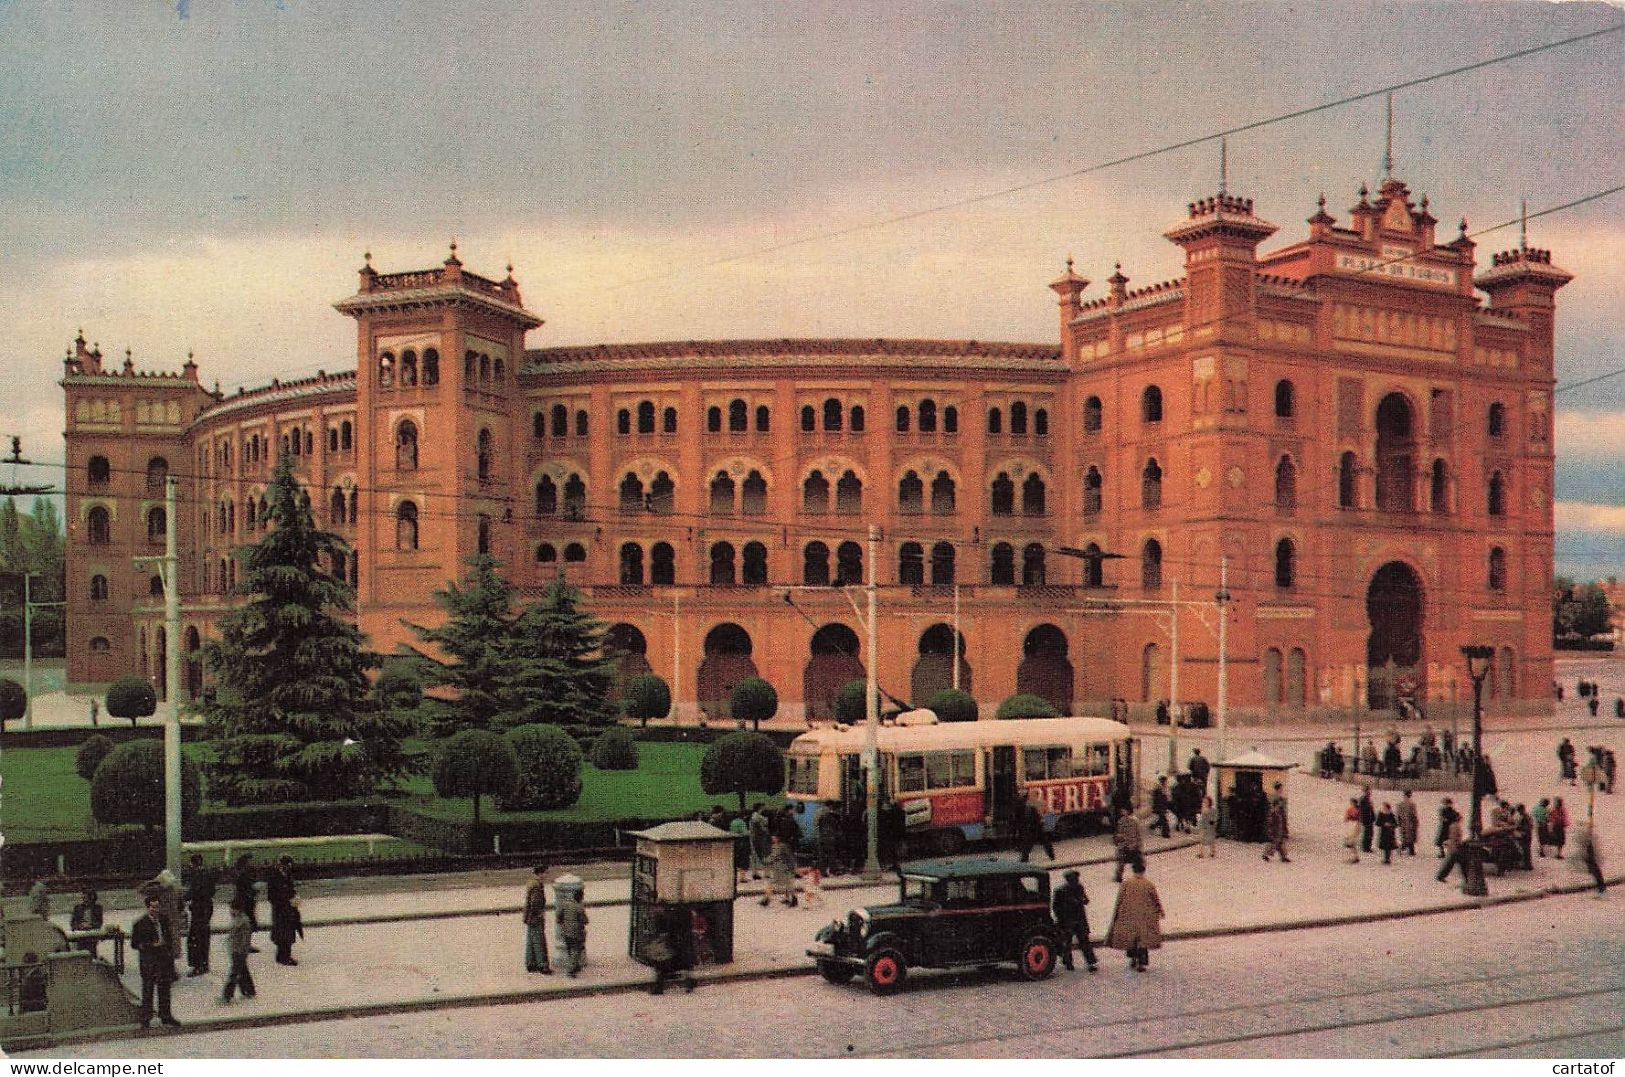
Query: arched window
{"points": [[99, 471], [646, 417], [1093, 491], [1032, 496], [485, 367], [1286, 563], [338, 565], [346, 436], [1151, 565], [265, 514], [155, 587], [538, 424], [722, 494], [1151, 405], [575, 552], [1093, 415], [1439, 488], [482, 455], [250, 516], [496, 368], [156, 519], [293, 443], [631, 565], [764, 419], [1498, 569], [1093, 566], [1286, 400], [332, 439], [386, 370], [662, 565], [942, 494], [1003, 495], [849, 563], [905, 419], [833, 413], [582, 422], [856, 419], [406, 526], [928, 416], [910, 494], [406, 446], [1495, 503], [713, 420], [849, 495], [560, 419], [942, 564], [809, 419], [662, 494], [482, 541], [1347, 490], [1041, 423], [1032, 565], [995, 421], [471, 367], [753, 495], [911, 564], [1018, 418], [1286, 483], [355, 513], [738, 416], [722, 564], [623, 422], [547, 496], [335, 506], [1151, 485], [753, 571], [98, 588], [575, 500], [950, 420], [546, 553], [668, 421], [1396, 442], [631, 493], [99, 645], [815, 564], [1001, 569], [1497, 419], [409, 367], [815, 493], [431, 367], [157, 472]]}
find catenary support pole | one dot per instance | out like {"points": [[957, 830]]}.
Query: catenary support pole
{"points": [[871, 742], [28, 653], [1222, 600], [172, 678], [1173, 685]]}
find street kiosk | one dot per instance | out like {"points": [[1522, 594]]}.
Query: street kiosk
{"points": [[1245, 783], [683, 873]]}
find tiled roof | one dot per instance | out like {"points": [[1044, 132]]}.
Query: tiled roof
{"points": [[788, 348], [280, 391]]}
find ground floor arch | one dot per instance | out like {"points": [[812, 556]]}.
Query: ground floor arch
{"points": [[832, 663], [1394, 662], [727, 661], [194, 663], [1046, 667], [933, 670]]}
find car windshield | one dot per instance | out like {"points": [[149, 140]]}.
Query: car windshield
{"points": [[917, 888]]}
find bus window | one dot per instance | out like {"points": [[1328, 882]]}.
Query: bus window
{"points": [[938, 770], [803, 775], [910, 774], [964, 768], [1060, 762], [1034, 765], [1099, 760]]}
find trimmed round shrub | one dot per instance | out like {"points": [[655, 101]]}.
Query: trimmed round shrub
{"points": [[742, 763], [132, 698], [1027, 705], [754, 701], [399, 687], [549, 769], [952, 705], [92, 751], [851, 704], [644, 697], [614, 750], [475, 763], [128, 786], [13, 700]]}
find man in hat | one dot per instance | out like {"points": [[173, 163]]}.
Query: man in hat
{"points": [[1072, 916], [155, 939], [286, 921], [200, 884], [536, 959]]}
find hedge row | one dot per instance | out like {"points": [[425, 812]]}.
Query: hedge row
{"points": [[114, 730], [135, 854], [513, 837], [306, 819]]}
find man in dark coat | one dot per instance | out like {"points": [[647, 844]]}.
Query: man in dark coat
{"points": [[1032, 831], [1160, 806], [1368, 819], [153, 937], [1198, 766], [200, 884], [246, 893], [1069, 902], [286, 922]]}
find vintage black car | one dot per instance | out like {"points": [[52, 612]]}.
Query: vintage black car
{"points": [[949, 914]]}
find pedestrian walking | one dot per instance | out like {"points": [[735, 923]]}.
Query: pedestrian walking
{"points": [[1127, 840], [239, 944], [1565, 761], [1587, 857], [1070, 904], [670, 949], [1198, 767], [1387, 832], [535, 920], [245, 886], [1031, 830], [570, 912], [1559, 823], [1137, 921], [781, 873], [95, 712], [1541, 816], [1410, 824], [828, 829], [1591, 705], [1523, 830], [1207, 830], [1275, 826], [1160, 806], [200, 886], [39, 900], [760, 840], [1449, 831], [1368, 819], [1351, 841], [287, 923], [154, 938]]}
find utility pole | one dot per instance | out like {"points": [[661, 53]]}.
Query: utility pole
{"points": [[676, 653], [28, 651], [172, 673], [871, 695], [956, 635], [1222, 599], [1173, 685]]}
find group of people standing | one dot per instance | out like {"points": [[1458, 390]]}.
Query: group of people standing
{"points": [[1391, 829]]}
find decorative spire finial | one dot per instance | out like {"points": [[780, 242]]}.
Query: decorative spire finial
{"points": [[1388, 146], [366, 256], [1069, 263], [1224, 166], [1321, 202], [1523, 225]]}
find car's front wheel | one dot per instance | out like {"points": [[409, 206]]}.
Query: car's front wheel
{"points": [[835, 972], [1037, 959], [885, 971]]}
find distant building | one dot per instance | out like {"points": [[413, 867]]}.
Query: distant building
{"points": [[1364, 439]]}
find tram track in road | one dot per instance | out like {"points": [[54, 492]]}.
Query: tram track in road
{"points": [[1583, 1036]]}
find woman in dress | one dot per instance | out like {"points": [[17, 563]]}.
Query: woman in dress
{"points": [[1351, 841], [1207, 830]]}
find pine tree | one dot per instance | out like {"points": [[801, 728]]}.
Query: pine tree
{"points": [[477, 660], [291, 710], [562, 675]]}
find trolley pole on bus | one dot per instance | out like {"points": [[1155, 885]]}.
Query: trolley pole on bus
{"points": [[871, 741]]}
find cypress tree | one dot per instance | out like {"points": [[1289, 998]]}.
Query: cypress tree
{"points": [[562, 675], [477, 660]]}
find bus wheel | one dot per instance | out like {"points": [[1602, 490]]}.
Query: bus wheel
{"points": [[1037, 958], [885, 971]]}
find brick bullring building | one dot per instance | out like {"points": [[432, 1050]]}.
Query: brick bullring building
{"points": [[1345, 420]]}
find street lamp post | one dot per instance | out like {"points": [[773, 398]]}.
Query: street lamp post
{"points": [[871, 738], [1472, 862]]}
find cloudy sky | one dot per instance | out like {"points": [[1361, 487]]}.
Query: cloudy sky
{"points": [[204, 176]]}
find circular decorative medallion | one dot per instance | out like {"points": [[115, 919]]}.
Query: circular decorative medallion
{"points": [[1203, 477], [1235, 477]]}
